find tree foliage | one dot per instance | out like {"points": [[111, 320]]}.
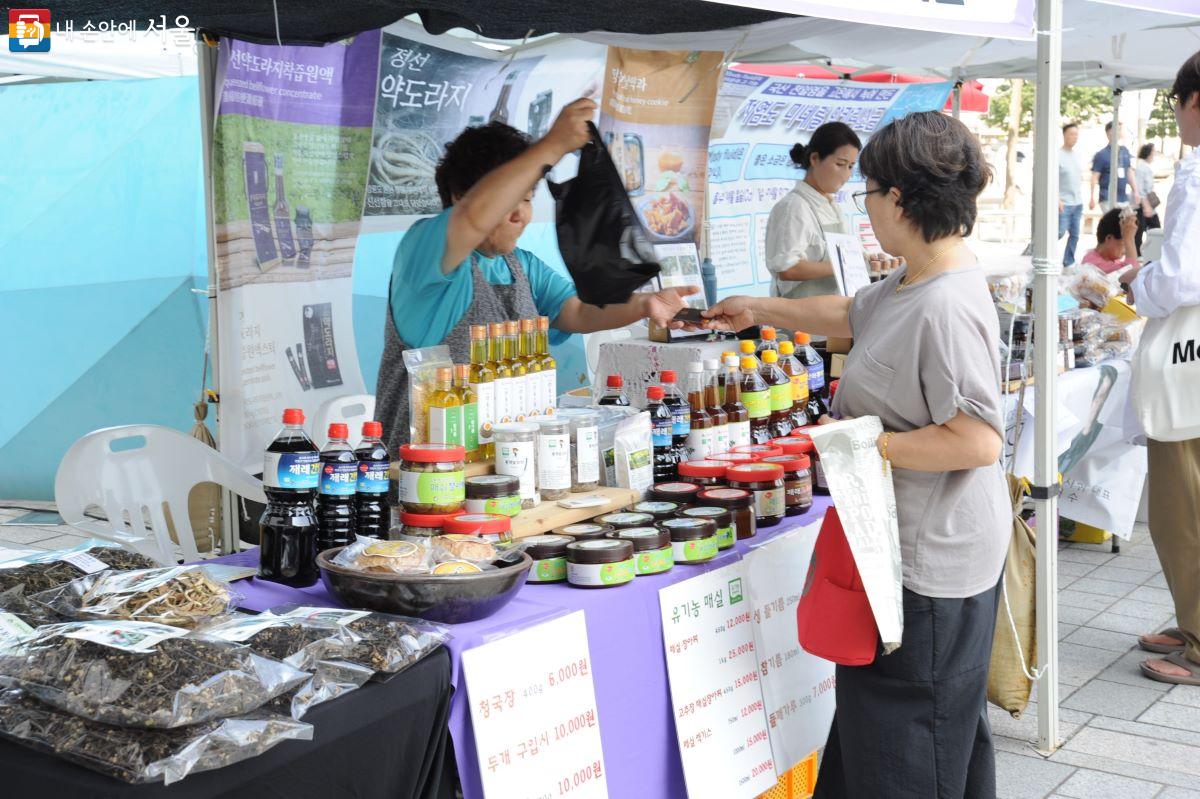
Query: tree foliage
{"points": [[1079, 104], [1162, 119]]}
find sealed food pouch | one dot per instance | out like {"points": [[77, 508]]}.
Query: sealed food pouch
{"points": [[330, 679], [388, 644], [42, 571], [300, 643], [386, 557]]}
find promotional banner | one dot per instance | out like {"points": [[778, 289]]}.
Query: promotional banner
{"points": [[1189, 8], [290, 153], [1005, 19], [756, 122]]}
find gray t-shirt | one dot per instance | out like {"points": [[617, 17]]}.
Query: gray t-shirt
{"points": [[1070, 178], [920, 357]]}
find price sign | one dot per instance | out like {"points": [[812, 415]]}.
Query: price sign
{"points": [[533, 709], [716, 698]]}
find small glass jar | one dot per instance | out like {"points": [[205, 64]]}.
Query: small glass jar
{"points": [[554, 458], [708, 473], [422, 525], [692, 540], [491, 527], [797, 482], [739, 502], [432, 478], [757, 451], [516, 456], [494, 493], [820, 485], [600, 563], [651, 549], [659, 510], [722, 517], [585, 448], [625, 519], [765, 482], [549, 553], [678, 492], [584, 531]]}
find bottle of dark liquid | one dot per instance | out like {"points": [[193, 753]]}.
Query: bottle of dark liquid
{"points": [[615, 395], [818, 404], [798, 375], [283, 214], [756, 396], [767, 341], [372, 511], [780, 391], [335, 493], [661, 423], [712, 404], [500, 112], [288, 527], [700, 437], [739, 418], [681, 413]]}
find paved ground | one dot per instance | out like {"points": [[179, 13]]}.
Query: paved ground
{"points": [[1124, 736]]}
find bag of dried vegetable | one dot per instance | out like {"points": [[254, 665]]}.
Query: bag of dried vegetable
{"points": [[45, 570], [387, 643], [180, 596], [14, 602], [140, 756], [330, 679], [138, 674]]}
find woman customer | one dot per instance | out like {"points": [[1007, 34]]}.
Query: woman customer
{"points": [[925, 360], [1147, 212], [1159, 289]]}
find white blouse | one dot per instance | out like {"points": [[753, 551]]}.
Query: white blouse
{"points": [[796, 231], [1173, 281]]}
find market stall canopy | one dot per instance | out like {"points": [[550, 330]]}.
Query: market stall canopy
{"points": [[973, 97]]}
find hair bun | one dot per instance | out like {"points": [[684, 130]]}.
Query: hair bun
{"points": [[798, 155]]}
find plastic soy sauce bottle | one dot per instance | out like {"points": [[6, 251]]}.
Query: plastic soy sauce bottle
{"points": [[757, 399], [288, 527], [780, 394], [614, 395], [681, 414], [712, 402], [372, 510], [700, 437], [817, 404], [661, 423], [798, 375], [335, 491], [735, 410]]}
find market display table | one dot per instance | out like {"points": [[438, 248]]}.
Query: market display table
{"points": [[386, 740], [628, 665]]}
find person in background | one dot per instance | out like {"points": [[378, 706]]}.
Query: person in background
{"points": [[795, 243], [463, 267], [913, 724], [1101, 165], [1070, 192], [1159, 289], [1147, 213], [1115, 249]]}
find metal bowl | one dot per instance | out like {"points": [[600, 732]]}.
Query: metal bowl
{"points": [[450, 598]]}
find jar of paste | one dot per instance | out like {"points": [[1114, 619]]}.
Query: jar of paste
{"points": [[820, 484], [692, 540], [764, 481], [432, 478], [583, 531], [797, 482], [721, 517], [733, 458], [494, 493], [678, 491], [737, 501], [652, 551], [549, 553], [423, 525], [757, 451], [623, 519], [659, 510], [708, 473], [789, 445], [600, 563], [491, 527]]}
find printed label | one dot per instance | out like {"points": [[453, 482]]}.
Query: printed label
{"points": [[769, 503], [739, 434], [799, 387], [88, 564], [721, 439], [587, 455], [654, 561], [516, 459], [12, 629], [335, 615], [549, 391], [799, 492], [781, 397], [816, 376], [660, 431], [519, 397], [681, 419], [601, 573], [485, 397], [244, 629], [724, 537], [338, 478], [470, 433], [374, 477], [296, 470], [504, 402], [551, 570], [692, 551], [554, 461], [445, 425], [609, 456], [501, 506], [758, 404], [130, 636], [699, 443], [432, 488]]}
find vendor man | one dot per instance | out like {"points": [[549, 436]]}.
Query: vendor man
{"points": [[463, 267]]}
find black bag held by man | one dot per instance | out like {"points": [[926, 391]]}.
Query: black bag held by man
{"points": [[601, 239]]}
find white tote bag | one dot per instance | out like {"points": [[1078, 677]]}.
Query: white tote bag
{"points": [[1166, 376]]}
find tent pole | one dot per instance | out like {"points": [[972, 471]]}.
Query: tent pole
{"points": [[956, 96], [1047, 265], [1114, 148]]}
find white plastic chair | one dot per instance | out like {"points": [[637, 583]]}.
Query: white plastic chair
{"points": [[136, 486], [353, 409], [593, 342]]}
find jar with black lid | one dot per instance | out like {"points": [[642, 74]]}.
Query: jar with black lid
{"points": [[600, 563], [765, 483], [549, 553], [494, 493], [692, 540], [677, 491], [722, 517], [584, 531], [652, 552], [622, 519], [797, 482]]}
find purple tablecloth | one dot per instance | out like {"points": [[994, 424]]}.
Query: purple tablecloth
{"points": [[628, 665]]}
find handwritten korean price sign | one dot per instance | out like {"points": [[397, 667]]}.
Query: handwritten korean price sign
{"points": [[712, 662], [533, 709]]}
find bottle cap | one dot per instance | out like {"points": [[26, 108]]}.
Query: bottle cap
{"points": [[445, 374], [748, 362], [747, 347], [695, 367], [293, 416], [727, 354], [496, 329], [787, 348], [338, 430], [478, 332], [668, 376], [372, 430], [615, 381], [802, 338], [512, 326], [528, 325], [768, 333], [462, 370], [770, 356], [543, 323], [712, 364], [654, 393], [731, 360]]}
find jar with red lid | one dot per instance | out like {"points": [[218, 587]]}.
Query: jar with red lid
{"points": [[492, 527], [764, 481], [791, 445], [432, 478], [758, 451], [422, 525], [677, 491], [797, 482], [739, 502], [732, 458], [820, 485], [708, 473]]}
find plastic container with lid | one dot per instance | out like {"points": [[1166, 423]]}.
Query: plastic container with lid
{"points": [[432, 478], [549, 553], [692, 540], [423, 525], [797, 482], [625, 519], [600, 563], [820, 485], [675, 491], [722, 517], [659, 509], [731, 458], [492, 527], [516, 448], [758, 451], [554, 457], [790, 445], [765, 482], [651, 549], [582, 531], [494, 493], [739, 502], [708, 473], [585, 448]]}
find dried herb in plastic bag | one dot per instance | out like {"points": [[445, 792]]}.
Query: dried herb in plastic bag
{"points": [[388, 643], [330, 679], [47, 570], [180, 596], [296, 641]]}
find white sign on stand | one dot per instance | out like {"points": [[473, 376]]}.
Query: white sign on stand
{"points": [[537, 730], [849, 263], [712, 662], [797, 688]]}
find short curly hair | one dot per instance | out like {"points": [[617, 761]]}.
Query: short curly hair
{"points": [[1109, 226], [475, 152], [937, 165]]}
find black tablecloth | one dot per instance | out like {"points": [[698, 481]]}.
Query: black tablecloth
{"points": [[386, 740]]}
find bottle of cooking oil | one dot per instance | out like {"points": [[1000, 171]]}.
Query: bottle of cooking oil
{"points": [[503, 371], [549, 367], [445, 410], [470, 410], [483, 383], [520, 386], [533, 368]]}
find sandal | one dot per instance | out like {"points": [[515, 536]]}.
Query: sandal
{"points": [[1178, 659], [1164, 649]]}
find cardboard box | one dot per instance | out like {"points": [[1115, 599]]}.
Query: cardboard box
{"points": [[839, 345], [836, 365]]}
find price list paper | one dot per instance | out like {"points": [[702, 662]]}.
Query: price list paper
{"points": [[712, 662], [797, 688], [533, 710]]}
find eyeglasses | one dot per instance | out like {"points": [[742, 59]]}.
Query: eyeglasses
{"points": [[860, 198]]}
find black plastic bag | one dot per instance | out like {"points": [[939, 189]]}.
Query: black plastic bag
{"points": [[602, 241]]}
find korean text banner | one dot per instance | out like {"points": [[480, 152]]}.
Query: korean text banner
{"points": [[756, 122], [290, 154], [1006, 19]]}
